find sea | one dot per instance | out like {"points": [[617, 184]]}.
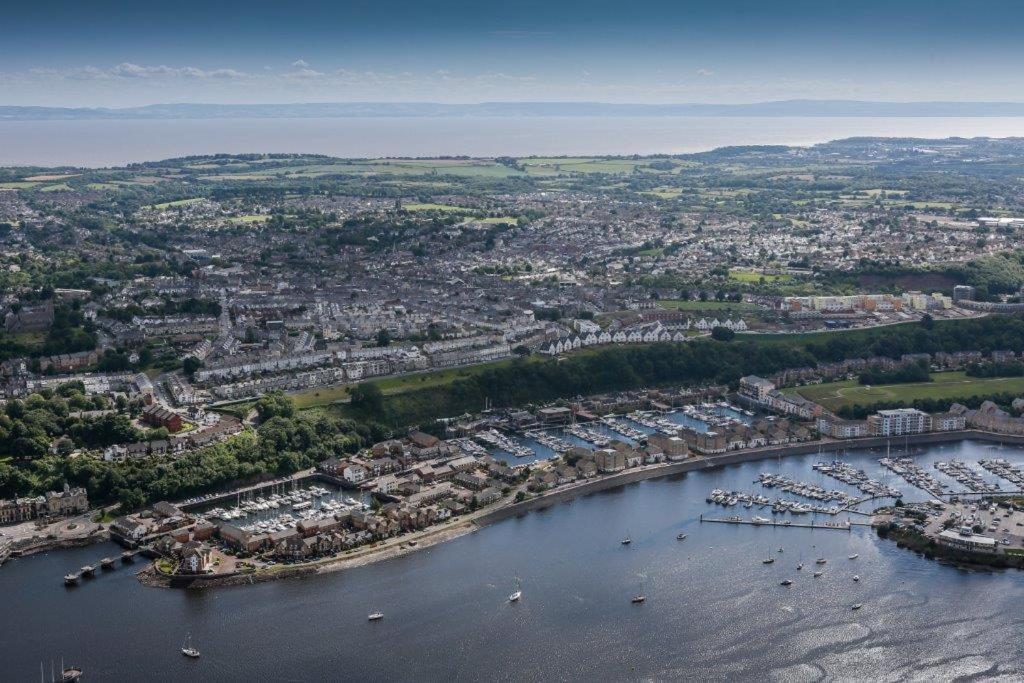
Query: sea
{"points": [[100, 143], [714, 611]]}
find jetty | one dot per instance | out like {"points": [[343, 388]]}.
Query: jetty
{"points": [[834, 526]]}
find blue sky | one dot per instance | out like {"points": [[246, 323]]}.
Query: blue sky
{"points": [[112, 53]]}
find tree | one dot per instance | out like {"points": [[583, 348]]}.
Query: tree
{"points": [[383, 338], [722, 334], [274, 404], [190, 365], [367, 398], [927, 321]]}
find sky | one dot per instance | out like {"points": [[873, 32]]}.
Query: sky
{"points": [[111, 53]]}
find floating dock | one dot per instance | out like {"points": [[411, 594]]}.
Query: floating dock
{"points": [[844, 526]]}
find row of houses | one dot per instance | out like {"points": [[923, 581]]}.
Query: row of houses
{"points": [[69, 501]]}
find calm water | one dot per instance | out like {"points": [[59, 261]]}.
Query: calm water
{"points": [[713, 610], [105, 143]]}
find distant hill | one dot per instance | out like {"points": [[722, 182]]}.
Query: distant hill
{"points": [[815, 108]]}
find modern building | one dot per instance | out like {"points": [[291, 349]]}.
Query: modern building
{"points": [[899, 421]]}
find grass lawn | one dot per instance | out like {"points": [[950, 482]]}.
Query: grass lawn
{"points": [[946, 385], [251, 218], [391, 386], [737, 275], [680, 305], [179, 202], [433, 207]]}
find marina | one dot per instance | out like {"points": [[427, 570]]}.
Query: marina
{"points": [[713, 580]]}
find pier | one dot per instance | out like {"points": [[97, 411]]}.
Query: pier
{"points": [[108, 563], [844, 526]]}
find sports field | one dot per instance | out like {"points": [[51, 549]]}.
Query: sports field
{"points": [[945, 385]]}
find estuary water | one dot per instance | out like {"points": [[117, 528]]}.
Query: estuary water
{"points": [[98, 143], [713, 610]]}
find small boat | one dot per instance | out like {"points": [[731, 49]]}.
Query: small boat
{"points": [[626, 541], [854, 556], [680, 537], [70, 579], [70, 674], [376, 616], [785, 582], [107, 563], [188, 650], [780, 550], [800, 566], [517, 593], [88, 570], [820, 560], [639, 598], [818, 575], [856, 578], [857, 605]]}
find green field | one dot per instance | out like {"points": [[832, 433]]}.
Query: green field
{"points": [[433, 207], [945, 385], [753, 276], [391, 386], [179, 202], [680, 305]]}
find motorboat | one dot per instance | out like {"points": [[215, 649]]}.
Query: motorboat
{"points": [[856, 578], [786, 582], [854, 556], [680, 537], [637, 599], [376, 616], [188, 650], [857, 605]]}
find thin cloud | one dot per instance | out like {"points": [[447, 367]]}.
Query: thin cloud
{"points": [[132, 71], [705, 73], [301, 63]]}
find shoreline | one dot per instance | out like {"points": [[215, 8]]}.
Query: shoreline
{"points": [[426, 538]]}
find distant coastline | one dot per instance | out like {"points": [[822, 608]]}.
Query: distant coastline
{"points": [[785, 108]]}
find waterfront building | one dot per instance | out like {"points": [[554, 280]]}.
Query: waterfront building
{"points": [[69, 501], [899, 422], [959, 540]]}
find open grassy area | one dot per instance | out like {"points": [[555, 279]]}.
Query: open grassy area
{"points": [[390, 386], [434, 207], [680, 305], [179, 202], [753, 276], [945, 385]]}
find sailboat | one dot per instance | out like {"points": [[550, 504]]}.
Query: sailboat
{"points": [[376, 616], [517, 594], [188, 650], [68, 674]]}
